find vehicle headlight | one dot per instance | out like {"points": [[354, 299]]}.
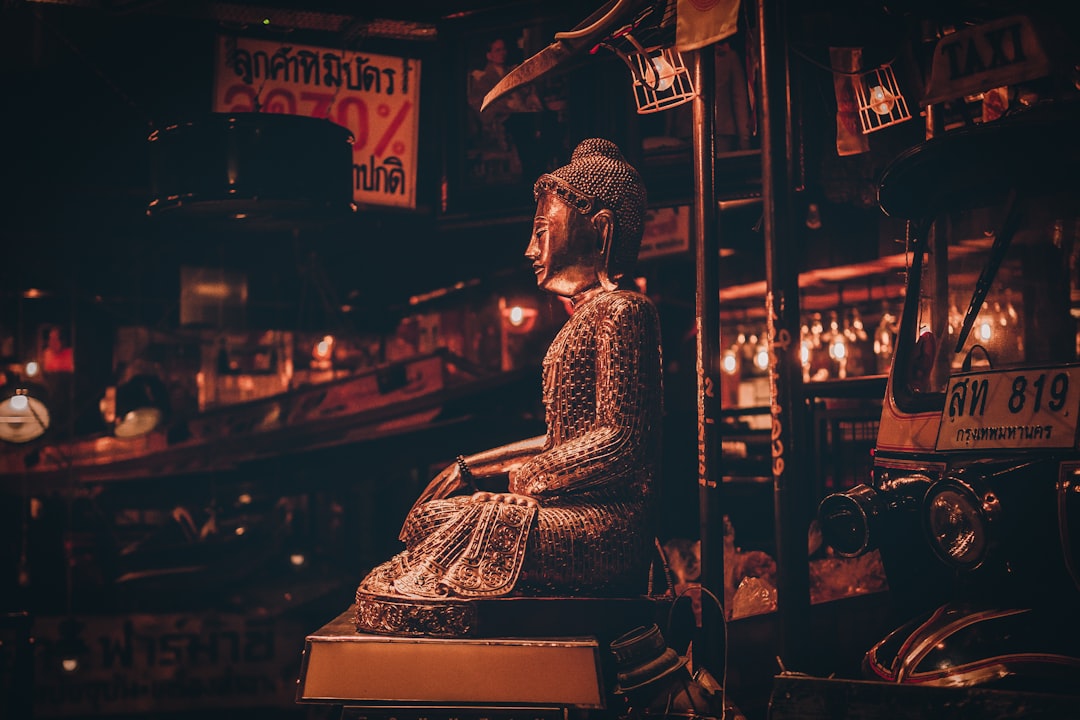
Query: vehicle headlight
{"points": [[958, 524], [847, 518]]}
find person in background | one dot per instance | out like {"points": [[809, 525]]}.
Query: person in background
{"points": [[500, 134]]}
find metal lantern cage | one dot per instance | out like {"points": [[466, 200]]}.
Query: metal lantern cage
{"points": [[660, 78], [881, 103]]}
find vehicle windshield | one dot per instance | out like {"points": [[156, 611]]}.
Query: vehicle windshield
{"points": [[997, 287]]}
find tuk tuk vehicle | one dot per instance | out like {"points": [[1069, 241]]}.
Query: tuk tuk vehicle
{"points": [[974, 500]]}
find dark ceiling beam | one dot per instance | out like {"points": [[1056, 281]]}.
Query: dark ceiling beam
{"points": [[292, 16]]}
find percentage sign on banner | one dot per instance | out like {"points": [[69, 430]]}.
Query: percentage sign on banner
{"points": [[393, 127]]}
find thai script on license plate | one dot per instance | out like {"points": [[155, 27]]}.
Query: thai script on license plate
{"points": [[1013, 409]]}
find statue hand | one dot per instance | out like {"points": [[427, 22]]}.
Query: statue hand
{"points": [[448, 482], [508, 498], [524, 483]]}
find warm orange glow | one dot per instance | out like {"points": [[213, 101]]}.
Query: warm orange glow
{"points": [[881, 100], [324, 348], [518, 319], [210, 289]]}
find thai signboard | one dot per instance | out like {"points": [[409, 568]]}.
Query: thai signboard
{"points": [[375, 96], [667, 232]]}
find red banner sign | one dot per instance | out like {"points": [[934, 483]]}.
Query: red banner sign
{"points": [[377, 97]]}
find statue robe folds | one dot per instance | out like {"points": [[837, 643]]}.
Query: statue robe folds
{"points": [[592, 528]]}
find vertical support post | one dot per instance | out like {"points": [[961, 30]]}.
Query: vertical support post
{"points": [[707, 301], [790, 429]]}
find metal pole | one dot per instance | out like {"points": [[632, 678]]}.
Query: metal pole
{"points": [[707, 302], [790, 430]]}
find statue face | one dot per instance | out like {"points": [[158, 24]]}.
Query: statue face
{"points": [[564, 248]]}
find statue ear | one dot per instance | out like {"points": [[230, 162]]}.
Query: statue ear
{"points": [[604, 222]]}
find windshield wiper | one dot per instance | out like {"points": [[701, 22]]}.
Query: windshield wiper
{"points": [[1002, 240]]}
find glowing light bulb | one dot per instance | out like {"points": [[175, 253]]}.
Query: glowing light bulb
{"points": [[19, 402], [32, 368], [762, 359], [729, 363], [838, 350], [324, 347], [986, 330], [517, 316], [881, 100], [804, 353], [660, 74]]}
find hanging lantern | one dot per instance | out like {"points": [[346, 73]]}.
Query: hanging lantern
{"points": [[24, 414], [658, 74], [660, 77], [881, 103]]}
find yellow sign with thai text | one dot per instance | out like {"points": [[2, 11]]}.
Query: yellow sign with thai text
{"points": [[1011, 410], [377, 97]]}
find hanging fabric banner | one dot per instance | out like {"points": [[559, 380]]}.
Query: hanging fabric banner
{"points": [[846, 63], [703, 22], [377, 97]]}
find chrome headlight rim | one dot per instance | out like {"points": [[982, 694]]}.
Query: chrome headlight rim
{"points": [[860, 503], [965, 505]]}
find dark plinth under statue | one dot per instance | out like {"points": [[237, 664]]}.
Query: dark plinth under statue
{"points": [[349, 668]]}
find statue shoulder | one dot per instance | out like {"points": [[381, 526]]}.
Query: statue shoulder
{"points": [[622, 311], [630, 303]]}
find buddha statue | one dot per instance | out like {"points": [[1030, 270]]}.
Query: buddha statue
{"points": [[571, 512]]}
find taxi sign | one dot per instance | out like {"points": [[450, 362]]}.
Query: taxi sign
{"points": [[1031, 408], [1007, 51]]}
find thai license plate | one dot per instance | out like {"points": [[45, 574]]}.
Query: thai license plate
{"points": [[1014, 409]]}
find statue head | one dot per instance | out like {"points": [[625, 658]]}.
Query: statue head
{"points": [[590, 215]]}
